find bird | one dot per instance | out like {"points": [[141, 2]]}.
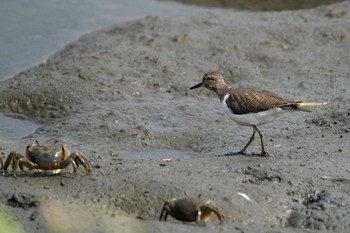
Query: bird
{"points": [[251, 106]]}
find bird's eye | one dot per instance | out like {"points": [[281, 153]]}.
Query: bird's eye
{"points": [[204, 79]]}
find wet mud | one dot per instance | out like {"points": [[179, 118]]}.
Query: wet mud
{"points": [[121, 97]]}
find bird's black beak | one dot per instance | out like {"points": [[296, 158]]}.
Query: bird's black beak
{"points": [[196, 86]]}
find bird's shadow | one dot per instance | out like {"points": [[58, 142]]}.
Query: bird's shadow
{"points": [[242, 154]]}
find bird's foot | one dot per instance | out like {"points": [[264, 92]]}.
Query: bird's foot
{"points": [[264, 154], [241, 152]]}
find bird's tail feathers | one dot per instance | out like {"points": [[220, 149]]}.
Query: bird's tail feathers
{"points": [[311, 104], [299, 105]]}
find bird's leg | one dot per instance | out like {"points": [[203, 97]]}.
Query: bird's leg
{"points": [[2, 167], [251, 139], [263, 152]]}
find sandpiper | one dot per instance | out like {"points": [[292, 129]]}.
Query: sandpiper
{"points": [[249, 106]]}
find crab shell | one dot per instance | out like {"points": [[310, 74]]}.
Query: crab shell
{"points": [[190, 210], [47, 157], [55, 158]]}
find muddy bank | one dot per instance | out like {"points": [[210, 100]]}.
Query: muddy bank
{"points": [[121, 96]]}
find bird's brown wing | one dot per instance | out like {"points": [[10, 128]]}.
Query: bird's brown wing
{"points": [[250, 100]]}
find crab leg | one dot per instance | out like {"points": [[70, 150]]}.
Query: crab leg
{"points": [[80, 159], [164, 211], [66, 162], [209, 209], [11, 157], [17, 161]]}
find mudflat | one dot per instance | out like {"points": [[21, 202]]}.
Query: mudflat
{"points": [[121, 97]]}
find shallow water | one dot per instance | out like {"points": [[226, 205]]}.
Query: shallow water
{"points": [[33, 30], [158, 154], [12, 128]]}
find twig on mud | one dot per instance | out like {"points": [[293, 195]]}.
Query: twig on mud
{"points": [[245, 196], [336, 179]]}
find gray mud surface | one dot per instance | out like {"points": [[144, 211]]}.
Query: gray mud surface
{"points": [[121, 96]]}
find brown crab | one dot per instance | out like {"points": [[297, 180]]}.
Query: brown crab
{"points": [[54, 158], [190, 210]]}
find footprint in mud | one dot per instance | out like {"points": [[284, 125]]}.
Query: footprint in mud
{"points": [[259, 174], [22, 200], [342, 119], [326, 210]]}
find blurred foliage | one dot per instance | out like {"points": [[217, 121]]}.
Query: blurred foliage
{"points": [[7, 224]]}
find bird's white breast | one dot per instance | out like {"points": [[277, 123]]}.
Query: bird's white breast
{"points": [[250, 119]]}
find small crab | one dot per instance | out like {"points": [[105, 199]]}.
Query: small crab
{"points": [[190, 210], [55, 158]]}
